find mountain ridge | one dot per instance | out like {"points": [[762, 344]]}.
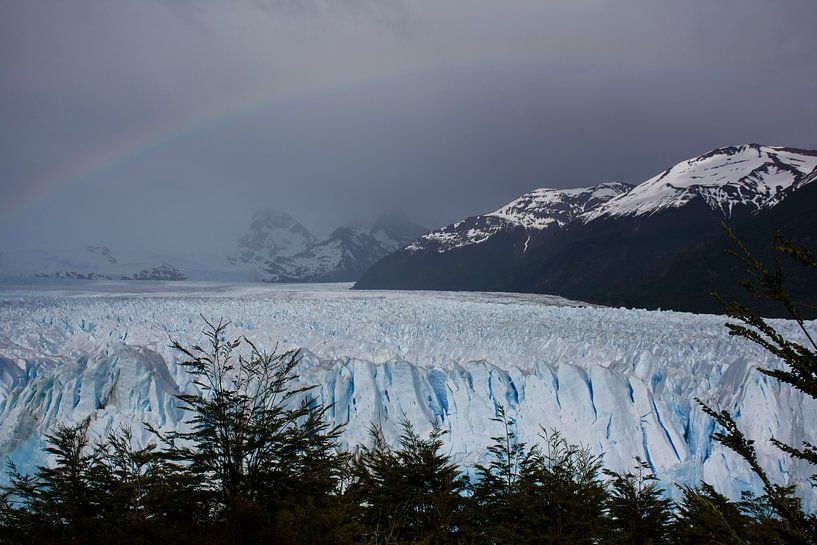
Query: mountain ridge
{"points": [[627, 250]]}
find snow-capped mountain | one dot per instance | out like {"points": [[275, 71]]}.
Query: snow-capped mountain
{"points": [[273, 233], [732, 179], [621, 382], [531, 214], [342, 257], [94, 262], [282, 250], [657, 245]]}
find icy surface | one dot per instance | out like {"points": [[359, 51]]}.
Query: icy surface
{"points": [[620, 381]]}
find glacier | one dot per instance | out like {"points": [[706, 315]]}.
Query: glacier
{"points": [[620, 381]]}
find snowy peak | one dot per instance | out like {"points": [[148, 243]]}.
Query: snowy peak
{"points": [[541, 208], [537, 211], [273, 233], [748, 177], [93, 262], [280, 249], [342, 257]]}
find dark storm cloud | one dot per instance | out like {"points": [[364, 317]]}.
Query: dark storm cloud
{"points": [[442, 109]]}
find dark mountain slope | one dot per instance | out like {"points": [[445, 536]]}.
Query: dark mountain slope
{"points": [[672, 260]]}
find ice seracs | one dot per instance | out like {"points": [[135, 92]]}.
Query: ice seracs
{"points": [[622, 382]]}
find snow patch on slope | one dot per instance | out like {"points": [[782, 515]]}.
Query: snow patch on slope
{"points": [[537, 211], [750, 176]]}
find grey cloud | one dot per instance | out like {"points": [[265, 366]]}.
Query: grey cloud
{"points": [[343, 109]]}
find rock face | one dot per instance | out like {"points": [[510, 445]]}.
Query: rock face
{"points": [[657, 245], [622, 382], [281, 250]]}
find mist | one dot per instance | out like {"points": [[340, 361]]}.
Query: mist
{"points": [[164, 125]]}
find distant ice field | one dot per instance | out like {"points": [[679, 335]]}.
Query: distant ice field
{"points": [[620, 381]]}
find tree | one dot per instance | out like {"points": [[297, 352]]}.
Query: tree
{"points": [[567, 496], [497, 502], [254, 447], [410, 494], [767, 282], [637, 510], [62, 503], [544, 494], [705, 517]]}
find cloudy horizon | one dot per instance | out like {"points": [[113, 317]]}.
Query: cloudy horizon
{"points": [[165, 124]]}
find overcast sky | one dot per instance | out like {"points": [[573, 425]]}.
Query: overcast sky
{"points": [[164, 124]]}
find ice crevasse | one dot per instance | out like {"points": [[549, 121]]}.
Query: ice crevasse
{"points": [[622, 382]]}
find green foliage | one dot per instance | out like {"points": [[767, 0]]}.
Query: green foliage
{"points": [[411, 494], [255, 450], [61, 502], [706, 517], [545, 494], [567, 498], [638, 512], [783, 516]]}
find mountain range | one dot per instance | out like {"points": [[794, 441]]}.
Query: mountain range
{"points": [[93, 262], [276, 248], [280, 249], [659, 244]]}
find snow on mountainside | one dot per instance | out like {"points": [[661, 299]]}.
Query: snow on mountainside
{"points": [[727, 179], [282, 250], [342, 257], [273, 233], [622, 382], [89, 263], [537, 211]]}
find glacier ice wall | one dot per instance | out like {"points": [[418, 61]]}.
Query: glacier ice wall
{"points": [[620, 381]]}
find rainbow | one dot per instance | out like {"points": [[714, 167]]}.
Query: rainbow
{"points": [[118, 152]]}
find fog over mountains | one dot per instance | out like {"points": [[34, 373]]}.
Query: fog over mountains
{"points": [[279, 249], [275, 248], [657, 244]]}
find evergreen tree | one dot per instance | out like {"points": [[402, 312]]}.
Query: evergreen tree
{"points": [[497, 503], [637, 510], [705, 517], [565, 495], [410, 494], [543, 494], [152, 500], [259, 454], [62, 503], [767, 282]]}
